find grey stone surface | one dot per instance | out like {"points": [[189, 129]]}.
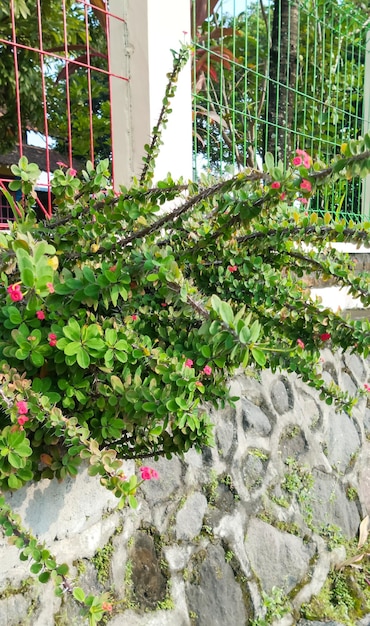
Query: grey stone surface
{"points": [[14, 610], [254, 420], [355, 365], [216, 596], [342, 440], [278, 558], [348, 384], [189, 518], [331, 506], [218, 528], [282, 396], [306, 622]]}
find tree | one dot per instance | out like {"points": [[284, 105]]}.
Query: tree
{"points": [[32, 68], [120, 327], [280, 77]]}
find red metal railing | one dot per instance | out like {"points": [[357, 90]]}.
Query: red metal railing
{"points": [[55, 59]]}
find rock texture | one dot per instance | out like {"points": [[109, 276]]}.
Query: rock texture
{"points": [[245, 533]]}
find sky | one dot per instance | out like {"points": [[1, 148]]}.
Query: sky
{"points": [[228, 6]]}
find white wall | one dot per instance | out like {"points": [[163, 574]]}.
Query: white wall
{"points": [[140, 50]]}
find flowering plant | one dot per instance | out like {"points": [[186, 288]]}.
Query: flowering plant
{"points": [[117, 327]]}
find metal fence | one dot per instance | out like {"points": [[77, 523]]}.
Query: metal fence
{"points": [[276, 76], [55, 79]]}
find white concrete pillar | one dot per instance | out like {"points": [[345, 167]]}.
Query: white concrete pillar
{"points": [[140, 49]]}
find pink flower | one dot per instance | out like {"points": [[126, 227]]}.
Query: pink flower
{"points": [[305, 185], [302, 200], [15, 293], [300, 343], [207, 370], [232, 268], [50, 287], [275, 185], [188, 363], [297, 161], [40, 315], [22, 419], [198, 383], [52, 340], [113, 268], [325, 336], [107, 606], [282, 196], [148, 472], [306, 159], [72, 171], [134, 317], [367, 387], [61, 164], [164, 304], [22, 407]]}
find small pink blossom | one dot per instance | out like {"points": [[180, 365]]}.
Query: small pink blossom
{"points": [[188, 363], [15, 293], [275, 185], [282, 196], [22, 407], [61, 164], [40, 315], [198, 383], [107, 606], [134, 317], [22, 419], [297, 161], [325, 336], [113, 268], [207, 370], [72, 171], [232, 268], [147, 473], [50, 287], [367, 387], [52, 339], [305, 185], [300, 343], [302, 200], [164, 304], [306, 159]]}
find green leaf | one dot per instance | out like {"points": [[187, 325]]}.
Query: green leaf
{"points": [[117, 385], [73, 330], [37, 359], [15, 460], [245, 335], [111, 336], [255, 331], [151, 278], [14, 482], [62, 569], [259, 356], [89, 274], [83, 358], [14, 315], [36, 568], [149, 407], [92, 291], [44, 577], [78, 594], [72, 348], [226, 313]]}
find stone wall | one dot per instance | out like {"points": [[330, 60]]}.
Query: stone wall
{"points": [[246, 533]]}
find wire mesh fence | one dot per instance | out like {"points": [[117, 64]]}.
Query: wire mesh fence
{"points": [[277, 76], [55, 74]]}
